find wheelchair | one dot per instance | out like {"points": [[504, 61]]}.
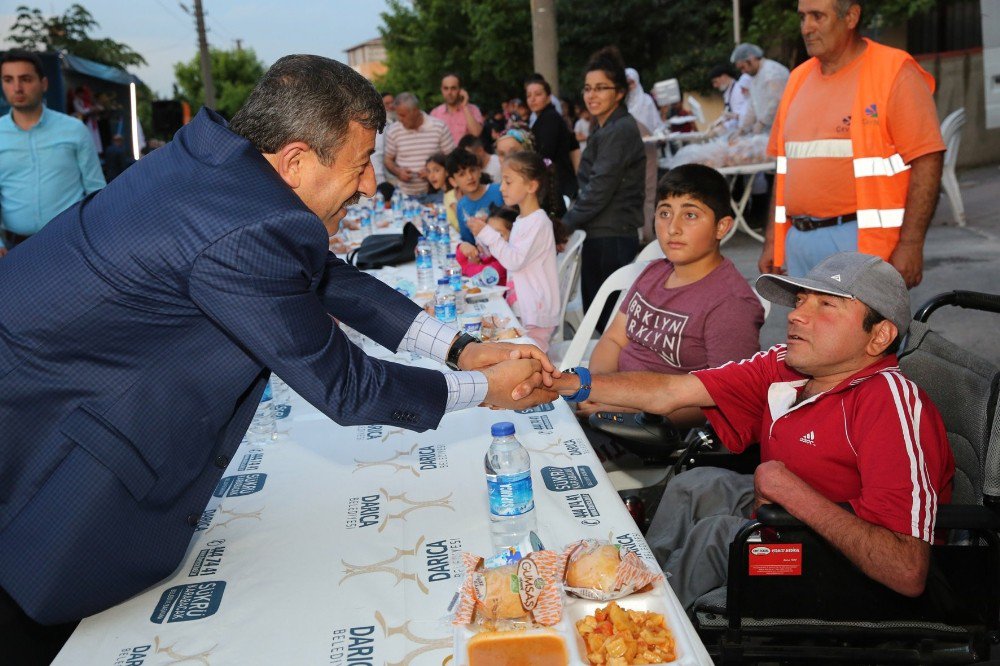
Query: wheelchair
{"points": [[830, 611]]}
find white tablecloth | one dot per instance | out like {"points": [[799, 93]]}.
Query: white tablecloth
{"points": [[341, 545]]}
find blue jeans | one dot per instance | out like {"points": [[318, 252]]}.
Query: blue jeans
{"points": [[805, 249]]}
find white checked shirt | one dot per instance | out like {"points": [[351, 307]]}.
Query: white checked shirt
{"points": [[432, 339]]}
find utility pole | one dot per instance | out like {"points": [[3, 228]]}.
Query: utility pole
{"points": [[545, 41], [206, 61], [239, 45]]}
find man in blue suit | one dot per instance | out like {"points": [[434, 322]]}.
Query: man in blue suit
{"points": [[139, 327]]}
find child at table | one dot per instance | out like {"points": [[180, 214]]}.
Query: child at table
{"points": [[691, 310], [529, 255], [474, 259], [443, 188], [476, 197]]}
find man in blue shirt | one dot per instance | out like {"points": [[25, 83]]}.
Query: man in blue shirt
{"points": [[47, 159]]}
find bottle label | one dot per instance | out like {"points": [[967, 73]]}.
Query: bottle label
{"points": [[445, 312], [456, 281], [424, 260], [511, 495]]}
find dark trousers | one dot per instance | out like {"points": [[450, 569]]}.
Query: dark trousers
{"points": [[600, 258], [10, 239], [23, 641]]}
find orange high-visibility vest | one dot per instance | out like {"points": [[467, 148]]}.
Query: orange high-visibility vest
{"points": [[881, 179]]}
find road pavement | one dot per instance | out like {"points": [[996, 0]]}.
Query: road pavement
{"points": [[954, 258]]}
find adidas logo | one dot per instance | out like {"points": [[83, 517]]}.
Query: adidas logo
{"points": [[808, 438], [835, 277]]}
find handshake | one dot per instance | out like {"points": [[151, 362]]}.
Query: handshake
{"points": [[519, 376]]}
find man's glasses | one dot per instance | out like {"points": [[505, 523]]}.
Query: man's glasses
{"points": [[597, 89]]}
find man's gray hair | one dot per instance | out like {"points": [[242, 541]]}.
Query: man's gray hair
{"points": [[843, 6], [408, 100], [311, 99], [746, 51]]}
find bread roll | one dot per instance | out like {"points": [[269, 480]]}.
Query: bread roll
{"points": [[595, 570], [495, 598]]}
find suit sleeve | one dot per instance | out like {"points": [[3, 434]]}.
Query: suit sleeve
{"points": [[259, 285]]}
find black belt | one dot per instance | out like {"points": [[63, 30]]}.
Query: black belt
{"points": [[810, 223]]}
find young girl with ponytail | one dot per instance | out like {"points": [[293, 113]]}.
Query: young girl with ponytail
{"points": [[530, 253]]}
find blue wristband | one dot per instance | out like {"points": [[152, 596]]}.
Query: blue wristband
{"points": [[585, 384]]}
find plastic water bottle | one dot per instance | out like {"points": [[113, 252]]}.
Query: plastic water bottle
{"points": [[366, 222], [281, 395], [425, 265], [396, 202], [454, 272], [508, 480], [262, 427], [443, 243], [444, 302], [379, 204]]}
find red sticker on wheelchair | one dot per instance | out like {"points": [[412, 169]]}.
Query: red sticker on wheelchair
{"points": [[776, 559]]}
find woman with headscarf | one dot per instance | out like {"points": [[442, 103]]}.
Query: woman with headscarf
{"points": [[611, 178], [643, 109]]}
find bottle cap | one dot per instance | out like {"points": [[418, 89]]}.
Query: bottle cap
{"points": [[502, 429], [443, 280], [451, 255]]}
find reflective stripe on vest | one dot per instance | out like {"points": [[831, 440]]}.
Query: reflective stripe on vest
{"points": [[888, 218], [865, 167]]}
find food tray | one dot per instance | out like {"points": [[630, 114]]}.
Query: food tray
{"points": [[656, 600]]}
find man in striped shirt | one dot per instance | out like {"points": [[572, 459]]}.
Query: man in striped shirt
{"points": [[410, 141], [838, 425]]}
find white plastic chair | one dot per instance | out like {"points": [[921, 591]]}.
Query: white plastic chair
{"points": [[951, 133], [568, 275], [650, 252], [696, 109], [577, 351]]}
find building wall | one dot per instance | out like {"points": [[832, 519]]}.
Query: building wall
{"points": [[959, 79]]}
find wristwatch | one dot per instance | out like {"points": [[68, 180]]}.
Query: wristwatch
{"points": [[464, 339]]}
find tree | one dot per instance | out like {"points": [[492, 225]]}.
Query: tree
{"points": [[483, 41], [234, 73], [70, 32], [774, 25]]}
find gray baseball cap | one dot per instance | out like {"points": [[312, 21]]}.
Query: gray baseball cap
{"points": [[849, 275]]}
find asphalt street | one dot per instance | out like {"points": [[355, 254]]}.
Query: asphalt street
{"points": [[954, 258]]}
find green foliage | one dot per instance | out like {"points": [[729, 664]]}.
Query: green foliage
{"points": [[487, 43], [234, 74], [774, 24], [70, 32]]}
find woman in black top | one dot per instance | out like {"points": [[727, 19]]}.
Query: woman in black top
{"points": [[553, 139], [612, 178]]}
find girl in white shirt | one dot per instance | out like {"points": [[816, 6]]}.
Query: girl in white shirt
{"points": [[530, 254]]}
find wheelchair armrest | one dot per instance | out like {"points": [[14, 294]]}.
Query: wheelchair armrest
{"points": [[775, 515], [968, 517]]}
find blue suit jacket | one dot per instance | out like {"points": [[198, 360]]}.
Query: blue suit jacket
{"points": [[137, 331]]}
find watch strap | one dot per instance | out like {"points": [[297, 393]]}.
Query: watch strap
{"points": [[463, 340]]}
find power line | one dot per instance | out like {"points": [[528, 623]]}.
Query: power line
{"points": [[171, 13]]}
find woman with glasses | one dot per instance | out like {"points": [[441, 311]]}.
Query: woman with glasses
{"points": [[612, 179]]}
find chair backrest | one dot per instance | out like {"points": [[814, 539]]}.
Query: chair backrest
{"points": [[951, 134], [620, 280], [568, 275], [696, 109], [651, 251], [964, 389]]}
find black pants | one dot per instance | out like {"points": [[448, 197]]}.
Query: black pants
{"points": [[600, 258], [10, 239], [24, 642]]}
